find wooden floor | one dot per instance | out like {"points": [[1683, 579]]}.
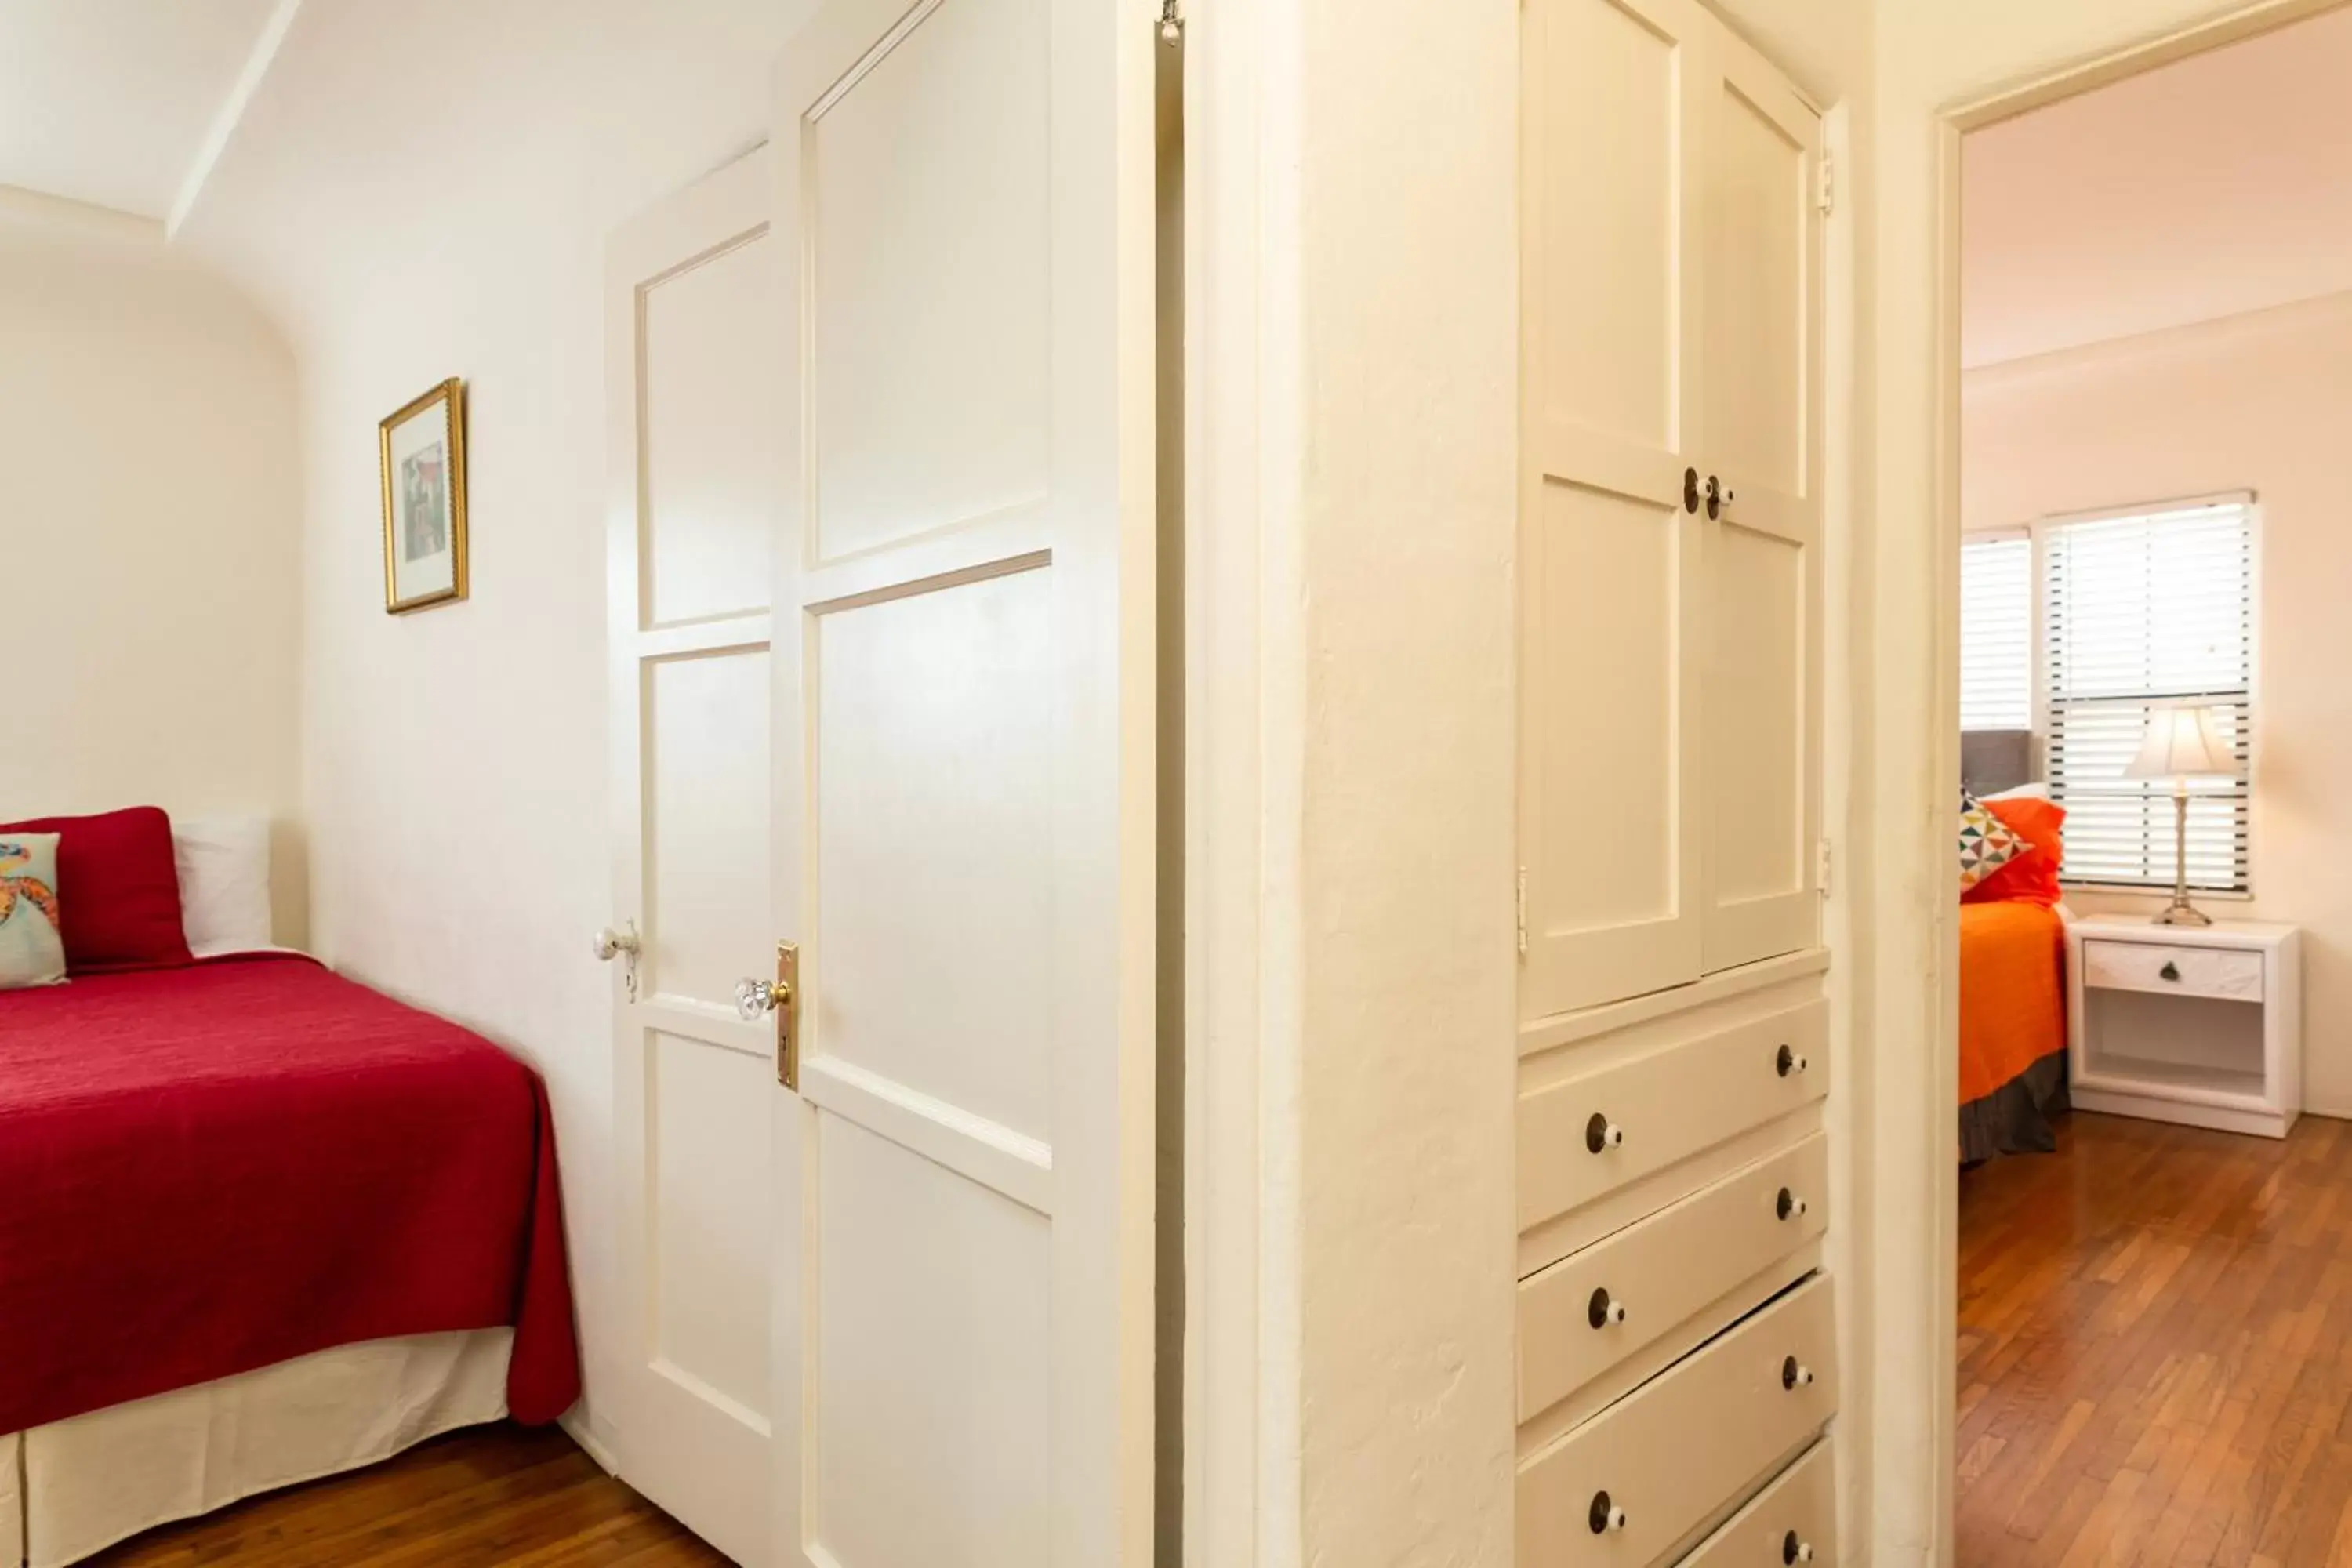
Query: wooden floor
{"points": [[489, 1495], [2155, 1350]]}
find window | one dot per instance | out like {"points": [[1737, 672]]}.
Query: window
{"points": [[2140, 610], [1997, 633]]}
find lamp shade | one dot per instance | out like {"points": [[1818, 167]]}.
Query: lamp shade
{"points": [[2182, 742]]}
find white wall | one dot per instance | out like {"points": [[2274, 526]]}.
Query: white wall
{"points": [[447, 218], [150, 486], [1407, 410], [2259, 403]]}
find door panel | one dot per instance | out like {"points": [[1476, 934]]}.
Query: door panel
{"points": [[928, 177], [709, 480], [705, 813], [936, 1282], [695, 350], [1610, 226], [1609, 571], [707, 1154], [933, 719], [1609, 813], [963, 784], [1763, 555]]}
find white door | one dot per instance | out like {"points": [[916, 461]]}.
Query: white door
{"points": [[1760, 185], [694, 340], [1610, 805], [964, 784]]}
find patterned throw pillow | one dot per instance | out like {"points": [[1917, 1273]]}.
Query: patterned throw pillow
{"points": [[1986, 842], [31, 950]]}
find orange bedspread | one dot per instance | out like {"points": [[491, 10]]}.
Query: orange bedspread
{"points": [[2012, 991]]}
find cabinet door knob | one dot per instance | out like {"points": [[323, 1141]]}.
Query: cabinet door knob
{"points": [[1716, 496], [1604, 1516], [1795, 1550], [1794, 1375], [1601, 1134], [1602, 1313], [2170, 970], [1787, 1061], [1788, 1205]]}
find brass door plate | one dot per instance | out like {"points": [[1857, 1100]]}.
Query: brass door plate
{"points": [[788, 1015]]}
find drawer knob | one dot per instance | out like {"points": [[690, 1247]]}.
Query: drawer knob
{"points": [[1604, 1516], [1601, 1134], [1788, 1205], [2170, 970], [1795, 1550], [1789, 1061], [1602, 1313], [1795, 1375]]}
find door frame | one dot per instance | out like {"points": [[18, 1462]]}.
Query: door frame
{"points": [[1914, 1232]]}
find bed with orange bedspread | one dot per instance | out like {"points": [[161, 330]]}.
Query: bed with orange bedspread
{"points": [[2012, 1024]]}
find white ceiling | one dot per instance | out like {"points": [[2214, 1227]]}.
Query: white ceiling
{"points": [[2218, 185], [111, 101]]}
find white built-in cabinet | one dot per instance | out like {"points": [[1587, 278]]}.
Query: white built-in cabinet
{"points": [[1670, 529], [1676, 1361]]}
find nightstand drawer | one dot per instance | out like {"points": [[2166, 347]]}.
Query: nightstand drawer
{"points": [[2231, 974]]}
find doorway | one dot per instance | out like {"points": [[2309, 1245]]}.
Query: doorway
{"points": [[2154, 315]]}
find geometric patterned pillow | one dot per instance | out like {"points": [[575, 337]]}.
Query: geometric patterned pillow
{"points": [[31, 950], [1986, 842]]}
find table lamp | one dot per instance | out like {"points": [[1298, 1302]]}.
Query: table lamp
{"points": [[2181, 744]]}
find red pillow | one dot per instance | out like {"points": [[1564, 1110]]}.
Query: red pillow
{"points": [[118, 890], [2032, 876]]}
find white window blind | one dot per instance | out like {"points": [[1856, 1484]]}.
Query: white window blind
{"points": [[1997, 633], [2140, 611]]}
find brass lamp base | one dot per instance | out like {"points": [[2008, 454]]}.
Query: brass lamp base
{"points": [[2180, 913]]}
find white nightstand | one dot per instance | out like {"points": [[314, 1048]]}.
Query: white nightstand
{"points": [[2197, 1024]]}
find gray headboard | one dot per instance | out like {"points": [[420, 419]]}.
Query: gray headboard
{"points": [[1996, 760]]}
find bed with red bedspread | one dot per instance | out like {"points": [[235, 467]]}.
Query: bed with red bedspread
{"points": [[208, 1170]]}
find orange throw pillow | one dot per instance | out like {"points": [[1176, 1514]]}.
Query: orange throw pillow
{"points": [[2032, 876]]}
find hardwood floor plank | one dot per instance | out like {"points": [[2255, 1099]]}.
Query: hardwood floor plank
{"points": [[491, 1496], [2155, 1350]]}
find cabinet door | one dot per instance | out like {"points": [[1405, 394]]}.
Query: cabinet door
{"points": [[1611, 805], [1758, 177]]}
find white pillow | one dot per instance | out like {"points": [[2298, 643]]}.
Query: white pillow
{"points": [[2023, 792], [224, 865]]}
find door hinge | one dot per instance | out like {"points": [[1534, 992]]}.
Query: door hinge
{"points": [[1822, 867], [1172, 22], [1826, 197], [1522, 901]]}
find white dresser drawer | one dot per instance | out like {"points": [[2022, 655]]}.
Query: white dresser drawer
{"points": [[1792, 1520], [1589, 1135], [1626, 1486], [2232, 974], [1591, 1311]]}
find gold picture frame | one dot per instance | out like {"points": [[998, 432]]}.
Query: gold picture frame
{"points": [[425, 508]]}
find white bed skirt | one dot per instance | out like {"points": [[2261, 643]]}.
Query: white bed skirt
{"points": [[71, 1489]]}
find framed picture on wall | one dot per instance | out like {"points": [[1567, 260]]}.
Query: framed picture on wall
{"points": [[423, 452]]}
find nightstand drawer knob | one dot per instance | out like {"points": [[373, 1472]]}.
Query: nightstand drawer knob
{"points": [[1788, 1205], [1604, 1515], [1602, 1313], [1795, 1549], [2170, 970], [1795, 1375], [1787, 1061]]}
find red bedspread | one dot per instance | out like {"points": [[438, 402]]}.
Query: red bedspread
{"points": [[205, 1170]]}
